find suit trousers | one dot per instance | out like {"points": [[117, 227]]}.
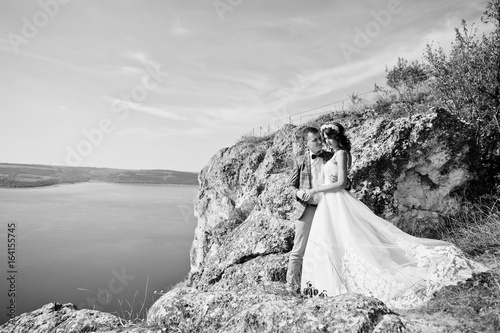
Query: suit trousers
{"points": [[302, 229]]}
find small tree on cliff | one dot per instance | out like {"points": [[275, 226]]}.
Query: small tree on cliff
{"points": [[354, 98], [468, 84], [405, 73], [408, 80], [468, 79]]}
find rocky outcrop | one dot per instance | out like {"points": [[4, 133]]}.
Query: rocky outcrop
{"points": [[270, 308], [267, 308], [408, 170], [61, 318]]}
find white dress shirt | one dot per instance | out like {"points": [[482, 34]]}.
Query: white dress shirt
{"points": [[317, 176]]}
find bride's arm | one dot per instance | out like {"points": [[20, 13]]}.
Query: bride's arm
{"points": [[341, 182]]}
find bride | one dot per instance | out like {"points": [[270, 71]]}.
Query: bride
{"points": [[351, 250]]}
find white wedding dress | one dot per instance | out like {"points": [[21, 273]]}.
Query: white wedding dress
{"points": [[351, 250]]}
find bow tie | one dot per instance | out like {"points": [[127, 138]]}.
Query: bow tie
{"points": [[320, 154]]}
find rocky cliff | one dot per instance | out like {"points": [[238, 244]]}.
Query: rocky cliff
{"points": [[410, 171]]}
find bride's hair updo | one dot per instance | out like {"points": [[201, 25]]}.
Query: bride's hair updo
{"points": [[336, 131]]}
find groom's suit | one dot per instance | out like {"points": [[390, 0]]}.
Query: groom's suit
{"points": [[302, 179]]}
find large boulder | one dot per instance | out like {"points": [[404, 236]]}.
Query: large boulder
{"points": [[411, 170], [269, 308], [61, 318]]}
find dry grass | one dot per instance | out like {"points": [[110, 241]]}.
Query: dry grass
{"points": [[251, 139], [396, 103], [131, 318], [473, 306], [476, 229], [127, 312]]}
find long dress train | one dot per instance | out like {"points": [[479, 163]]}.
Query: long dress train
{"points": [[351, 250]]}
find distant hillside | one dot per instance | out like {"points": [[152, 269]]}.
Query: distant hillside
{"points": [[31, 175]]}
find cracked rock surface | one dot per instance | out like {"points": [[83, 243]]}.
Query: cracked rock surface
{"points": [[61, 318], [270, 308]]}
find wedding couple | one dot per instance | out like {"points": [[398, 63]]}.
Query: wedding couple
{"points": [[341, 246]]}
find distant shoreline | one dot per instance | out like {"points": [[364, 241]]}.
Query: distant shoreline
{"points": [[93, 181], [26, 176]]}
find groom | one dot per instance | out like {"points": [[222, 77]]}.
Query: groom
{"points": [[307, 174]]}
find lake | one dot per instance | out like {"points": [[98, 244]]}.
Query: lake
{"points": [[95, 244]]}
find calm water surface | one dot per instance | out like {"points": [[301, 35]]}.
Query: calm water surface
{"points": [[93, 244]]}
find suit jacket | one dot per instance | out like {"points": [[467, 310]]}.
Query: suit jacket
{"points": [[301, 179]]}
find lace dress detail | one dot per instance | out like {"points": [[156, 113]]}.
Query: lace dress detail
{"points": [[350, 249]]}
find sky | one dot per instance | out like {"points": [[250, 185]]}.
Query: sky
{"points": [[165, 84]]}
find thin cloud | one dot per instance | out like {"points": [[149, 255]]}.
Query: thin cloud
{"points": [[130, 71], [179, 30], [287, 22], [163, 132], [195, 132], [155, 111], [53, 61], [143, 58], [316, 83], [141, 133], [151, 110]]}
